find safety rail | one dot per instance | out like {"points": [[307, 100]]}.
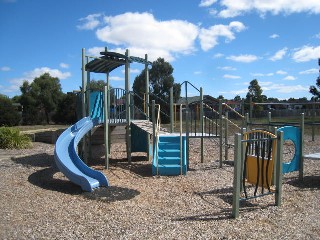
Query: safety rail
{"points": [[233, 110], [158, 121], [181, 171]]}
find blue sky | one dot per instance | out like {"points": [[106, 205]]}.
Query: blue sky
{"points": [[220, 45]]}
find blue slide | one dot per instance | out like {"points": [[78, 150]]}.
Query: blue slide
{"points": [[68, 161]]}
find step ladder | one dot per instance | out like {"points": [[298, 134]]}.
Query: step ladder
{"points": [[168, 159]]}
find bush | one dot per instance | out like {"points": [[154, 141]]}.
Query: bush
{"points": [[9, 116], [11, 138]]}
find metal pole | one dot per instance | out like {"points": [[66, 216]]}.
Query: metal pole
{"points": [[201, 123], [236, 175], [278, 169], [301, 167], [128, 106], [171, 110], [220, 133], [226, 129], [147, 100], [106, 126]]}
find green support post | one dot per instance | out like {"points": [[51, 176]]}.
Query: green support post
{"points": [[250, 108], [153, 106], [236, 175], [106, 126], [301, 167], [128, 106], [171, 110], [278, 168], [201, 123], [147, 103], [226, 130], [220, 133], [269, 122]]}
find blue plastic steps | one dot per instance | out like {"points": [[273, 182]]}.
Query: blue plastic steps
{"points": [[168, 155]]}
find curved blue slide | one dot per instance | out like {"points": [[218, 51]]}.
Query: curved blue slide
{"points": [[68, 161]]}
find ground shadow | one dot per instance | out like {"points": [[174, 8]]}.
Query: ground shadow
{"points": [[37, 160], [307, 182], [111, 194], [140, 165], [45, 179]]}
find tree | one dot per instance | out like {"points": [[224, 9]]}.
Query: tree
{"points": [[161, 80], [41, 97], [97, 85], [9, 116], [315, 90], [66, 109], [255, 92], [237, 98]]}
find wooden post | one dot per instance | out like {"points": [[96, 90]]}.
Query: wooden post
{"points": [[201, 123], [171, 110], [106, 126], [226, 129], [220, 133], [301, 167], [147, 100], [128, 106], [278, 167], [236, 175]]}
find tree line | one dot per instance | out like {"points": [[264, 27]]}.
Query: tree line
{"points": [[43, 102]]}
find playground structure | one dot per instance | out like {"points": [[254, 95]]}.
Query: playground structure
{"points": [[114, 107]]}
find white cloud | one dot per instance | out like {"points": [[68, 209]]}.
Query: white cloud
{"points": [[95, 51], [310, 71], [262, 74], [90, 22], [290, 78], [282, 88], [231, 76], [317, 35], [197, 72], [115, 78], [281, 72], [306, 53], [64, 65], [161, 38], [245, 58], [206, 3], [227, 68], [209, 37], [279, 54], [218, 55], [262, 7], [274, 36], [5, 69]]}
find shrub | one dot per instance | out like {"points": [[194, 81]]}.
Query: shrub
{"points": [[11, 138]]}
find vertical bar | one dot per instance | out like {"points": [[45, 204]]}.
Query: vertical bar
{"points": [[187, 133], [269, 122], [153, 124], [181, 143], [171, 110], [128, 106], [147, 100], [220, 133], [106, 127], [236, 175], [313, 117], [278, 169], [84, 83], [301, 167], [201, 123], [226, 129]]}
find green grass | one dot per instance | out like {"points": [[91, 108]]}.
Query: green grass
{"points": [[11, 138]]}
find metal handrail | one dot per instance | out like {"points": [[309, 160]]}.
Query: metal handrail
{"points": [[157, 136], [233, 110], [181, 172]]}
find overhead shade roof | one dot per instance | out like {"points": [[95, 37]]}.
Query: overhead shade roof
{"points": [[110, 61], [105, 64]]}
